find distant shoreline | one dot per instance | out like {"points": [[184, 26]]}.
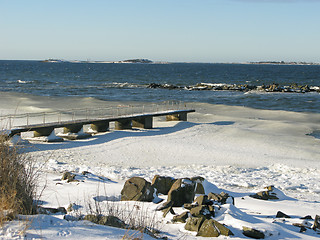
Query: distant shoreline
{"points": [[146, 61]]}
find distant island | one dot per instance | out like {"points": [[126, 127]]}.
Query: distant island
{"points": [[138, 60], [284, 63], [147, 61], [53, 60]]}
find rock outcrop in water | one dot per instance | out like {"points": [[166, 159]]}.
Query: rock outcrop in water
{"points": [[293, 88]]}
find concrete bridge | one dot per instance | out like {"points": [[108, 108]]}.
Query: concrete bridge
{"points": [[72, 121]]}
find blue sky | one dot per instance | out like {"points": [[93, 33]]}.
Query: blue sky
{"points": [[166, 30]]}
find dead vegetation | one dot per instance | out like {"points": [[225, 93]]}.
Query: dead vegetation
{"points": [[17, 182]]}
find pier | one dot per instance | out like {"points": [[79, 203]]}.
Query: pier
{"points": [[43, 124]]}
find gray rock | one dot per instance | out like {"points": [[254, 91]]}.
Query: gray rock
{"points": [[137, 189], [212, 228], [201, 200], [164, 205], [252, 233], [43, 210], [219, 198], [199, 187], [200, 211], [316, 224], [70, 177], [194, 223], [105, 220], [181, 218], [181, 192], [162, 184], [92, 218], [167, 210], [282, 215], [265, 195], [111, 221]]}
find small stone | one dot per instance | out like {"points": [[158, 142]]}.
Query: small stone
{"points": [[220, 198], [92, 218], [282, 215], [202, 210], [181, 218], [201, 200], [70, 207], [111, 221], [189, 206], [43, 210], [253, 233], [264, 195], [167, 210], [70, 177], [270, 188], [316, 224], [302, 227], [307, 217], [211, 209], [164, 205]]}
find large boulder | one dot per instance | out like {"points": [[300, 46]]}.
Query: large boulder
{"points": [[162, 184], [212, 228], [181, 192], [194, 223], [137, 189], [199, 186]]}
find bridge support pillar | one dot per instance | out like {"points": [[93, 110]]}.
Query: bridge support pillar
{"points": [[142, 122], [43, 132], [177, 117], [73, 132], [73, 128], [123, 124], [102, 126]]}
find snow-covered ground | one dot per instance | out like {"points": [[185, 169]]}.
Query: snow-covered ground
{"points": [[237, 150]]}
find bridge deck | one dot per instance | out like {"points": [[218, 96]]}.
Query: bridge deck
{"points": [[37, 127]]}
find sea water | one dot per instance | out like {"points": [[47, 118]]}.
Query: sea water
{"points": [[129, 82]]}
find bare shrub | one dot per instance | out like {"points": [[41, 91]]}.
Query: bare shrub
{"points": [[136, 216], [17, 182]]}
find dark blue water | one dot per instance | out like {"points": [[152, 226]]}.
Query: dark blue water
{"points": [[128, 82]]}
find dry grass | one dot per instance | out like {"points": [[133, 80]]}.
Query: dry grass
{"points": [[138, 218], [17, 182]]}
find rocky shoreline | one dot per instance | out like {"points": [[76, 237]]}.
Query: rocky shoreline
{"points": [[275, 87]]}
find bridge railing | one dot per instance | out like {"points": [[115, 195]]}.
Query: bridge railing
{"points": [[49, 117]]}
